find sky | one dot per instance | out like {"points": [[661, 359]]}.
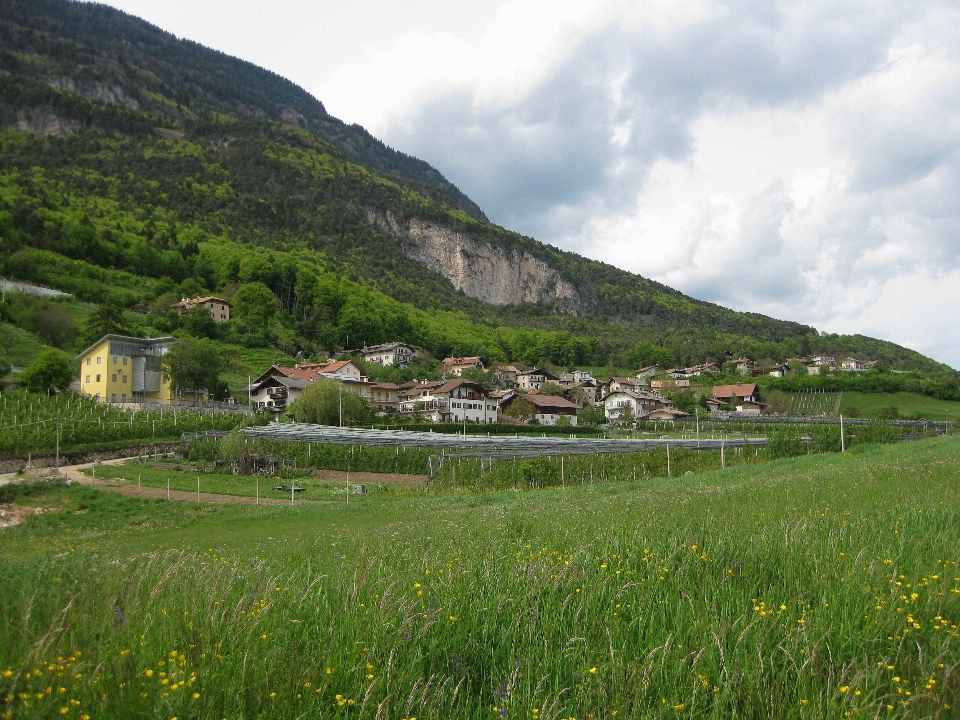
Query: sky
{"points": [[800, 160]]}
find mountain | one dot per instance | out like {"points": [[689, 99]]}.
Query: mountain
{"points": [[100, 52], [134, 165]]}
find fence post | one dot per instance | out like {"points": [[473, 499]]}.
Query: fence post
{"points": [[669, 470]]}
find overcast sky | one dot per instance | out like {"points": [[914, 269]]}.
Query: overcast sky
{"points": [[796, 159]]}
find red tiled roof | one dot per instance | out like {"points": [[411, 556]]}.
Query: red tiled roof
{"points": [[471, 360], [298, 373], [742, 390], [550, 401]]}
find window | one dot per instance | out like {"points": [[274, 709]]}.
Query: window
{"points": [[124, 378], [124, 362], [88, 361], [98, 378], [123, 398], [114, 359], [88, 378], [113, 397], [113, 378], [99, 360]]}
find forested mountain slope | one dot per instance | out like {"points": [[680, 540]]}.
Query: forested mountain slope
{"points": [[135, 165]]}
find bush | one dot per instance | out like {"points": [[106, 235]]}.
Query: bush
{"points": [[889, 413]]}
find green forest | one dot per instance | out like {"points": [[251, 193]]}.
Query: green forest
{"points": [[178, 191]]}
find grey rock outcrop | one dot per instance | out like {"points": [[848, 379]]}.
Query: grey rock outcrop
{"points": [[482, 269], [44, 123], [95, 91]]}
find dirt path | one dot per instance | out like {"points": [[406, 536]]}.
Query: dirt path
{"points": [[123, 487]]}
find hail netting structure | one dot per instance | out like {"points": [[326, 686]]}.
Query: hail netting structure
{"points": [[491, 447]]}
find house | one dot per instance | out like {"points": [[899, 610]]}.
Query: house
{"points": [[619, 403], [575, 377], [743, 392], [645, 373], [279, 386], [335, 367], [616, 384], [118, 368], [714, 405], [534, 379], [502, 396], [456, 400], [751, 407], [385, 397], [507, 375], [776, 370], [744, 366], [548, 409], [218, 307], [394, 353], [669, 384], [852, 365], [695, 370], [666, 414], [276, 392], [456, 365]]}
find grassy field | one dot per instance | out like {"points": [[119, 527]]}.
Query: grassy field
{"points": [[870, 404], [819, 586]]}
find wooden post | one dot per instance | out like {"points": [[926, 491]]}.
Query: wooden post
{"points": [[258, 491], [454, 480], [138, 485], [669, 470], [843, 441], [563, 484], [168, 488], [723, 455], [198, 489]]}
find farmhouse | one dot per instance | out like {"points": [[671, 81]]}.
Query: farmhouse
{"points": [[742, 395], [456, 365], [218, 307], [548, 409], [394, 353], [118, 368]]}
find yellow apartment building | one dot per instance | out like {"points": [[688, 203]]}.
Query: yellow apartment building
{"points": [[117, 368]]}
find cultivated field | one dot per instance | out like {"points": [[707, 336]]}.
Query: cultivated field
{"points": [[820, 586]]}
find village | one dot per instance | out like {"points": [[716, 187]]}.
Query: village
{"points": [[465, 389]]}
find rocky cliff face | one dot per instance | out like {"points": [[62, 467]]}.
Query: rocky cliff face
{"points": [[484, 270], [45, 123], [95, 91]]}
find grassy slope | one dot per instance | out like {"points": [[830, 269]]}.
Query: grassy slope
{"points": [[786, 590], [870, 404], [26, 349]]}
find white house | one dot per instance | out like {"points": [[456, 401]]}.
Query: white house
{"points": [[534, 379], [394, 353], [456, 365], [453, 401], [634, 404]]}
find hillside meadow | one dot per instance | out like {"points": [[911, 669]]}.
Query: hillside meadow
{"points": [[813, 587]]}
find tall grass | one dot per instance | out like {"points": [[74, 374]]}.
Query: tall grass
{"points": [[810, 587]]}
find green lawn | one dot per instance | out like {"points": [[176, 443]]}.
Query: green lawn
{"points": [[804, 588], [870, 404]]}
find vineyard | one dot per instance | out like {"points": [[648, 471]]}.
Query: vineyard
{"points": [[31, 423]]}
